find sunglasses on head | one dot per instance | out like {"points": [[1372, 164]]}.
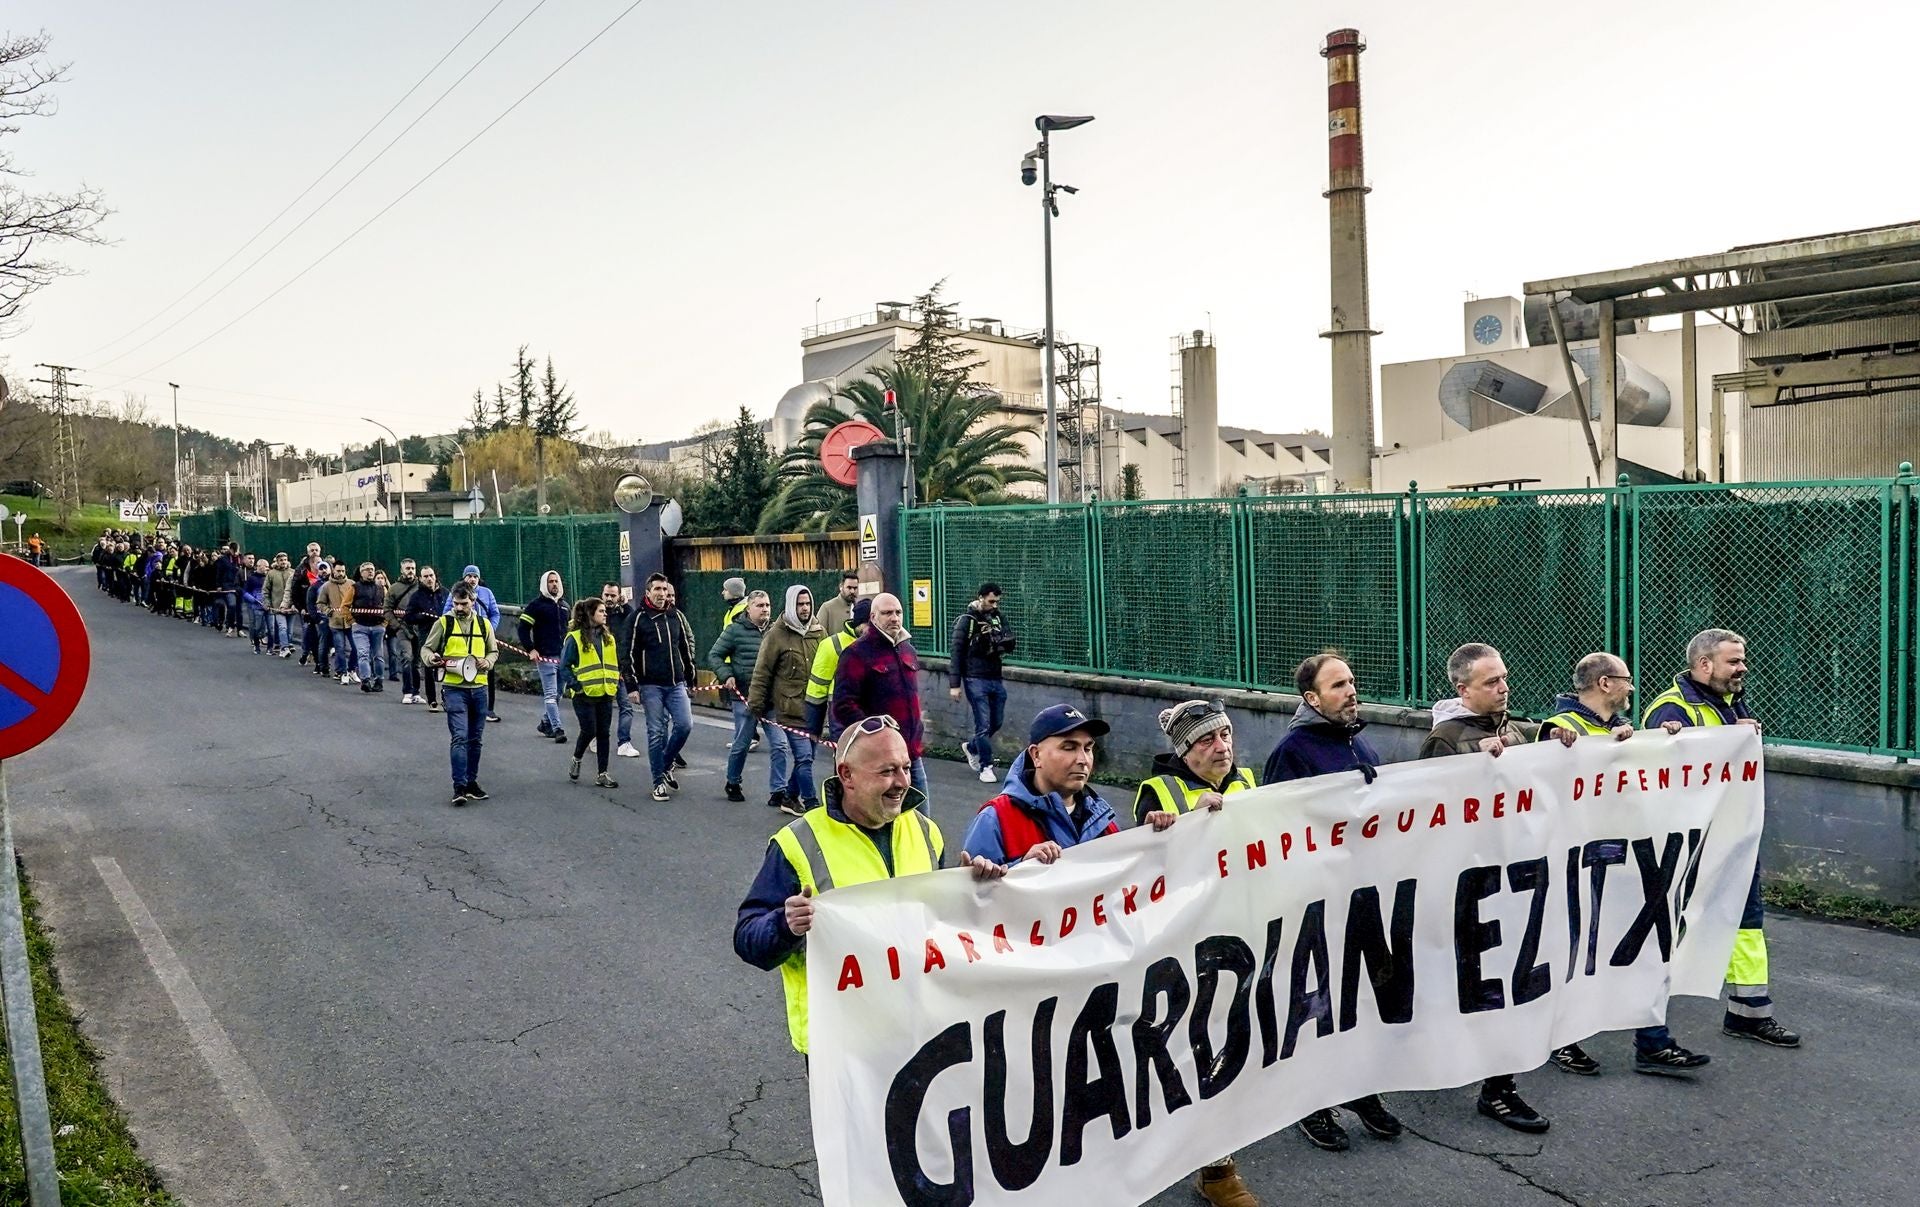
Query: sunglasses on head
{"points": [[862, 727]]}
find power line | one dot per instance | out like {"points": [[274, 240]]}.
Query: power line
{"points": [[368, 133], [345, 185], [410, 190]]}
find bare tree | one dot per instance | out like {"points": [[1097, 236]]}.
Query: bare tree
{"points": [[31, 223]]}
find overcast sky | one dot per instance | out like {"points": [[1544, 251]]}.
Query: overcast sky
{"points": [[662, 215]]}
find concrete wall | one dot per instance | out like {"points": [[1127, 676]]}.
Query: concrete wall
{"points": [[1842, 823]]}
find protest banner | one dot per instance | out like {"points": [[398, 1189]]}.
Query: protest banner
{"points": [[1094, 1030]]}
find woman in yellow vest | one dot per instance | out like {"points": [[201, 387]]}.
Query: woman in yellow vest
{"points": [[590, 676]]}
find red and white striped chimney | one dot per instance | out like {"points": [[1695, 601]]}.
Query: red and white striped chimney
{"points": [[1350, 331]]}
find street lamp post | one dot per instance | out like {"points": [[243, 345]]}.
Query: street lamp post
{"points": [[1049, 210], [399, 463], [176, 442]]}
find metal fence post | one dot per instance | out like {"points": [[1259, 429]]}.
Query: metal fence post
{"points": [[23, 1031]]}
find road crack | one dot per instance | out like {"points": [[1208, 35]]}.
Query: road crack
{"points": [[512, 1041], [730, 1152], [1502, 1160]]}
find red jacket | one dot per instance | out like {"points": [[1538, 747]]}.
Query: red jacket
{"points": [[878, 678]]}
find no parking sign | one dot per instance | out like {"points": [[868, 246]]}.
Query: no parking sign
{"points": [[44, 657]]}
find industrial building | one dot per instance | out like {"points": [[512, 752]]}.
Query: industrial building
{"points": [[1806, 365], [362, 494], [1096, 442]]}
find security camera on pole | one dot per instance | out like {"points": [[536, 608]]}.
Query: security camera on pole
{"points": [[1049, 210]]}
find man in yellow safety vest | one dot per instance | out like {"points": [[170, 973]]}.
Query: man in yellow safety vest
{"points": [[1712, 691], [1597, 707], [874, 827], [462, 645]]}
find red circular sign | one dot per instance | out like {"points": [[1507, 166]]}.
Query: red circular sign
{"points": [[44, 657], [836, 448]]}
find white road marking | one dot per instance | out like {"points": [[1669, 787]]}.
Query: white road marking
{"points": [[271, 1137]]}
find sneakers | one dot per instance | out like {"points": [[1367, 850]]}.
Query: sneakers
{"points": [[460, 796], [1222, 1186], [573, 769], [343, 679], [494, 717], [434, 706], [1381, 1123], [1761, 1030], [792, 805], [604, 780], [1574, 1059], [1501, 1102], [988, 775], [679, 764], [753, 745], [353, 676], [660, 791], [734, 794], [560, 735], [1670, 1061], [777, 800], [1324, 1131], [379, 685], [627, 751], [671, 782], [544, 728], [973, 760], [366, 688], [475, 791]]}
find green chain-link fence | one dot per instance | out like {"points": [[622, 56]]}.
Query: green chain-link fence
{"points": [[1822, 578]]}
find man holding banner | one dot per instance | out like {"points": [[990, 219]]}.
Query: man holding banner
{"points": [[874, 827], [1596, 707], [1476, 722], [1711, 692]]}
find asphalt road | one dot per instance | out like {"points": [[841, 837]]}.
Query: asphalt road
{"points": [[315, 982]]}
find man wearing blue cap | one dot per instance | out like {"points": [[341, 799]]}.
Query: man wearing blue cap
{"points": [[485, 605], [1049, 803]]}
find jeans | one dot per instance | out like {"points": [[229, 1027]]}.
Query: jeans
{"points": [[406, 655], [594, 716], [626, 714], [550, 695], [342, 649], [918, 777], [279, 631], [669, 724], [988, 700], [789, 764], [467, 722], [743, 729], [369, 651], [256, 622], [393, 663]]}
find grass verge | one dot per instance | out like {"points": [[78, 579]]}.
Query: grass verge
{"points": [[99, 1163], [1841, 907]]}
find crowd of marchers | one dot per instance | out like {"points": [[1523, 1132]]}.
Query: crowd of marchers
{"points": [[874, 823]]}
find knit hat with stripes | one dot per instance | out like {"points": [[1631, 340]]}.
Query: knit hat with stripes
{"points": [[1187, 723]]}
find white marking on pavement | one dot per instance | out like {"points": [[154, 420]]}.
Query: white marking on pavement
{"points": [[710, 723], [295, 1178]]}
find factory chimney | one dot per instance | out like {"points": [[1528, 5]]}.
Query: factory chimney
{"points": [[1350, 330], [1199, 416]]}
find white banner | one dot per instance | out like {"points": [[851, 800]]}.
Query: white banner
{"points": [[1184, 994]]}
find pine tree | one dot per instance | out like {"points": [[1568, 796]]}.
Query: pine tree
{"points": [[937, 354], [499, 408], [557, 417], [523, 389], [477, 422]]}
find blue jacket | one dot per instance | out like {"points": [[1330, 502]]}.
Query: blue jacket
{"points": [[1088, 818], [226, 573], [760, 934], [1313, 745], [255, 584], [483, 603]]}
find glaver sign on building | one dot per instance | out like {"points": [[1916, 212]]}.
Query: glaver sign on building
{"points": [[362, 494]]}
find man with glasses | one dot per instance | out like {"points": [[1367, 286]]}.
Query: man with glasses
{"points": [[463, 647], [1597, 707], [874, 826]]}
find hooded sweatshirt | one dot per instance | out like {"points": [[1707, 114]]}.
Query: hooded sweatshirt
{"points": [[543, 622], [1022, 817], [1314, 745], [1457, 730], [778, 688]]}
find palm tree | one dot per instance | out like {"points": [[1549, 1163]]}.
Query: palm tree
{"points": [[958, 456]]}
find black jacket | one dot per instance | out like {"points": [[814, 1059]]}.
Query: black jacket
{"points": [[369, 603], [661, 652], [980, 640], [543, 624], [620, 620]]}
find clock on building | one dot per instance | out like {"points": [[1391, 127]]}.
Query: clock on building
{"points": [[1486, 329]]}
